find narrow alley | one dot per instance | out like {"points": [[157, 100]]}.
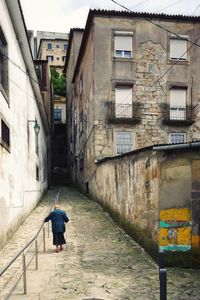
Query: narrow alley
{"points": [[100, 260]]}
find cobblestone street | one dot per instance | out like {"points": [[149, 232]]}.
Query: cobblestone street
{"points": [[100, 260]]}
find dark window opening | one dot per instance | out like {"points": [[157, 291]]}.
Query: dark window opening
{"points": [[57, 115], [5, 133], [37, 173], [81, 162], [3, 62]]}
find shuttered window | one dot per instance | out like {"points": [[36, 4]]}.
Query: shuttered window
{"points": [[178, 103], [123, 102], [178, 49], [123, 44]]}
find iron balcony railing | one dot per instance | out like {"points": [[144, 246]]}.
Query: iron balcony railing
{"points": [[178, 115], [124, 113]]}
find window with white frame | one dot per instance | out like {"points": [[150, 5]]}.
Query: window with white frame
{"points": [[124, 142], [178, 48], [177, 137], [123, 44], [178, 97], [123, 101]]}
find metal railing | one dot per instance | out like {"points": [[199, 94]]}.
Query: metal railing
{"points": [[124, 112], [180, 114], [23, 252]]}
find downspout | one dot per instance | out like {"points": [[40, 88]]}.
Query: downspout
{"points": [[177, 146]]}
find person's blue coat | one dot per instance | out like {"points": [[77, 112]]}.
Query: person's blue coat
{"points": [[58, 219]]}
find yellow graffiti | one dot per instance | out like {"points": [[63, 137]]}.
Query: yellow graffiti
{"points": [[175, 214], [183, 237], [195, 240]]}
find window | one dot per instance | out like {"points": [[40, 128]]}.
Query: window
{"points": [[3, 63], [64, 58], [123, 44], [37, 173], [81, 122], [5, 134], [123, 102], [81, 162], [65, 46], [177, 137], [178, 103], [178, 48], [57, 46], [49, 58], [124, 142], [81, 84], [49, 46], [57, 115]]}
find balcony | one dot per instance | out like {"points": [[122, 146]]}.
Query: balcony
{"points": [[124, 113], [179, 115]]}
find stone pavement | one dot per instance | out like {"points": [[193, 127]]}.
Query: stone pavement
{"points": [[100, 262]]}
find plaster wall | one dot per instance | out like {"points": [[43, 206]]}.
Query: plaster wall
{"points": [[19, 189], [128, 187], [155, 197]]}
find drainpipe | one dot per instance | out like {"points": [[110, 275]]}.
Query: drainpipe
{"points": [[176, 146]]}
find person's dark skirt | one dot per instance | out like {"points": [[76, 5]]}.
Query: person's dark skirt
{"points": [[58, 238]]}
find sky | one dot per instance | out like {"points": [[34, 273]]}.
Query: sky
{"points": [[61, 15]]}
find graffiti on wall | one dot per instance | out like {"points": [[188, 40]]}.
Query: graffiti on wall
{"points": [[175, 229]]}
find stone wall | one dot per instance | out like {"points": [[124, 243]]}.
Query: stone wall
{"points": [[154, 195], [128, 187]]}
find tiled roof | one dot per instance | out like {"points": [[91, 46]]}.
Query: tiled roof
{"points": [[157, 147], [123, 13]]}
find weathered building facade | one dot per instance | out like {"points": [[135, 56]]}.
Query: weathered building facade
{"points": [[75, 38], [154, 193], [135, 84], [52, 46], [24, 127]]}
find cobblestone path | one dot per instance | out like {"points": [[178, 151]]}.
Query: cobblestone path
{"points": [[100, 261]]}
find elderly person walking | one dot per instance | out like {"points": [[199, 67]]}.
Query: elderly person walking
{"points": [[58, 219]]}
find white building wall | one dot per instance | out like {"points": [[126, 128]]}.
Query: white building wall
{"points": [[19, 189]]}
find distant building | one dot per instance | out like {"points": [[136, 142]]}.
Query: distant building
{"points": [[52, 46]]}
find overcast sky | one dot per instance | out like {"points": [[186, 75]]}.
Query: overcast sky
{"points": [[61, 15]]}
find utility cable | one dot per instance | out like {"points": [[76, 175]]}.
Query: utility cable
{"points": [[157, 25], [138, 4], [170, 5], [196, 9]]}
